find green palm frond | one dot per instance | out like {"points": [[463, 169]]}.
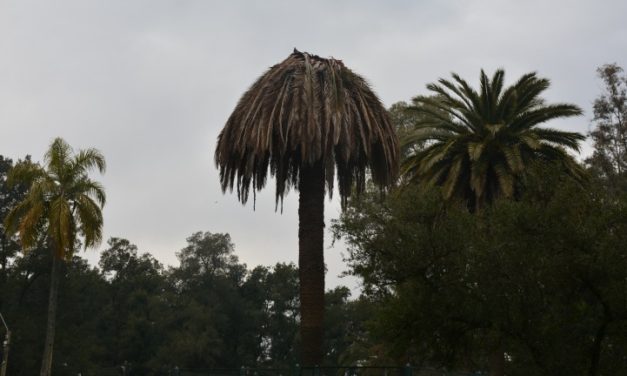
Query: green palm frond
{"points": [[88, 159], [440, 109], [475, 149], [450, 184], [90, 215], [61, 199], [480, 143], [513, 158], [505, 179], [570, 140], [532, 117], [478, 173], [60, 221], [90, 188], [57, 158]]}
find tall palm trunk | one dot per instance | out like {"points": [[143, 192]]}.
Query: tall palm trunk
{"points": [[497, 360], [311, 262], [46, 363]]}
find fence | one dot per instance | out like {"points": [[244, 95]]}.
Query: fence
{"points": [[294, 371]]}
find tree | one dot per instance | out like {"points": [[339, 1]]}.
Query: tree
{"points": [[135, 308], [305, 118], [480, 144], [548, 270], [9, 196], [62, 204], [609, 159]]}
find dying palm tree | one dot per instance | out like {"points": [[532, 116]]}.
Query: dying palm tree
{"points": [[62, 203], [479, 144], [304, 119]]}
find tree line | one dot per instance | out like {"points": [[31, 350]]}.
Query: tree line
{"points": [[211, 311]]}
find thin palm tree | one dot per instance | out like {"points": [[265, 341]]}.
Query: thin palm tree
{"points": [[62, 203], [304, 119], [480, 144]]}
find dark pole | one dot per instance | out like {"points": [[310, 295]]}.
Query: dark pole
{"points": [[5, 350]]}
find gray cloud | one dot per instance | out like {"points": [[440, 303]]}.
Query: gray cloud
{"points": [[150, 83]]}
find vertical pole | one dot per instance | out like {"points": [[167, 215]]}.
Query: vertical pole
{"points": [[5, 354], [5, 348], [408, 370]]}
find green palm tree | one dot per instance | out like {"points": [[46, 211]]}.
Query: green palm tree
{"points": [[304, 119], [62, 203], [480, 144]]}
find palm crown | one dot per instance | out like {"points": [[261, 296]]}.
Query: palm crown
{"points": [[62, 199], [478, 144], [304, 110]]}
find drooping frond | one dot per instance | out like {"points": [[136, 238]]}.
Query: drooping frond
{"points": [[87, 159], [304, 110], [61, 226], [90, 217], [92, 189]]}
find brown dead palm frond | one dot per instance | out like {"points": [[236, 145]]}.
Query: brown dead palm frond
{"points": [[304, 110]]}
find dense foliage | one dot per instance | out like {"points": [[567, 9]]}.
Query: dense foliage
{"points": [[209, 311], [535, 278], [546, 274]]}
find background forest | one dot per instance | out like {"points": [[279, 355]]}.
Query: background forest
{"points": [[541, 274]]}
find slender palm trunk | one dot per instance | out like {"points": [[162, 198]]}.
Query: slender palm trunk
{"points": [[497, 360], [596, 348], [46, 363], [311, 262]]}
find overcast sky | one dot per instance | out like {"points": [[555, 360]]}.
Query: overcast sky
{"points": [[151, 83]]}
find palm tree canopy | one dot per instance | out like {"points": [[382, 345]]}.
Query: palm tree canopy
{"points": [[304, 110], [479, 143], [61, 200]]}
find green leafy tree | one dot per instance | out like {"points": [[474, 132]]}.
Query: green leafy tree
{"points": [[134, 313], [282, 315], [214, 323], [480, 144], [62, 204], [9, 196], [609, 159], [304, 119], [545, 272], [78, 340]]}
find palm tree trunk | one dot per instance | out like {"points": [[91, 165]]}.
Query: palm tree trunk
{"points": [[497, 359], [46, 363], [311, 262], [596, 348]]}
